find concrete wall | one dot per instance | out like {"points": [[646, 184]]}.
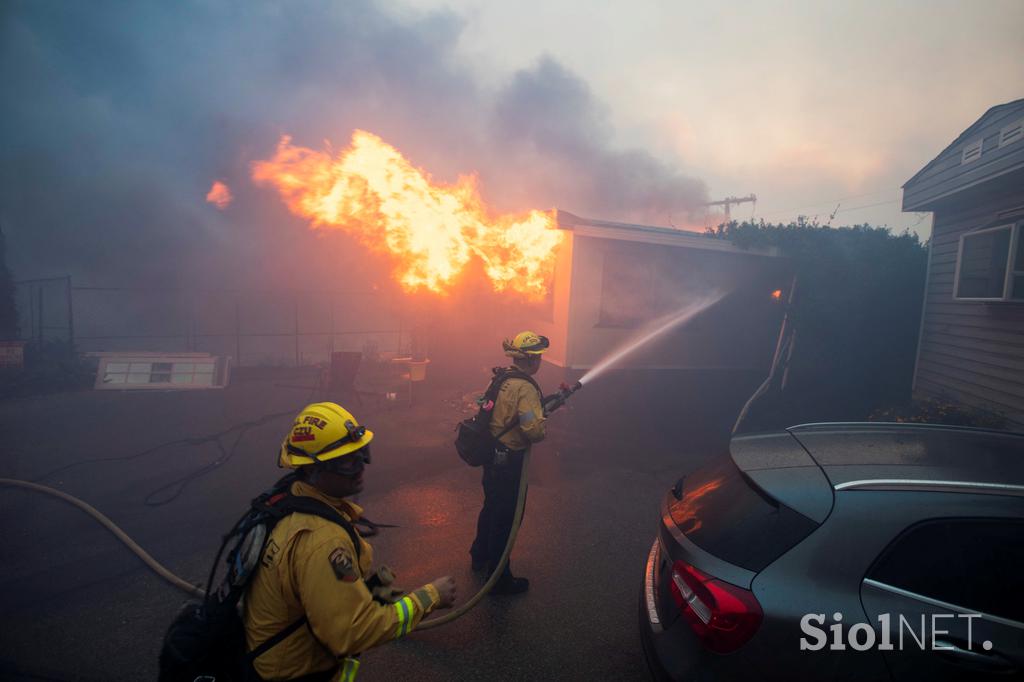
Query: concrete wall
{"points": [[553, 322]]}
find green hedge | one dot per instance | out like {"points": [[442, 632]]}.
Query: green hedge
{"points": [[856, 316]]}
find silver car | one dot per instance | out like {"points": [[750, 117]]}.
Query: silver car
{"points": [[843, 552]]}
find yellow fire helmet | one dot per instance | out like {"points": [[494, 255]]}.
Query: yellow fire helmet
{"points": [[321, 432], [525, 344]]}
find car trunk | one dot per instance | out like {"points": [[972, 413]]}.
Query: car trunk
{"points": [[719, 528]]}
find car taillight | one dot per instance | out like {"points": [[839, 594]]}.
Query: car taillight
{"points": [[723, 616]]}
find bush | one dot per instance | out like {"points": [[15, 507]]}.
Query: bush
{"points": [[855, 316], [50, 366], [939, 411]]}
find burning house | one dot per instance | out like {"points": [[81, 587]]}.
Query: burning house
{"points": [[703, 314], [613, 279]]}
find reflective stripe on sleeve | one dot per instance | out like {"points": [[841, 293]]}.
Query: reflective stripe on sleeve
{"points": [[403, 610], [349, 668]]}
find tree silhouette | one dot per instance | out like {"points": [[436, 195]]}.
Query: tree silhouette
{"points": [[856, 315]]}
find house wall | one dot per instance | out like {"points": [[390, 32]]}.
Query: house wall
{"points": [[737, 333], [947, 174], [970, 351], [554, 324]]}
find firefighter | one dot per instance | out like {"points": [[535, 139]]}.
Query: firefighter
{"points": [[519, 398], [310, 566]]}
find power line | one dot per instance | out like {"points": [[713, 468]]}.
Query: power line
{"points": [[829, 202], [178, 290], [857, 208]]}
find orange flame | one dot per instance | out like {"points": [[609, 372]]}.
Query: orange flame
{"points": [[219, 195], [432, 230]]}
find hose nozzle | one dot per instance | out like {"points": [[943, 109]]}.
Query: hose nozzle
{"points": [[556, 400]]}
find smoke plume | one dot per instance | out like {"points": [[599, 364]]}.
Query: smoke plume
{"points": [[119, 116]]}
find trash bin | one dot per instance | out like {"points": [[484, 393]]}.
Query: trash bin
{"points": [[418, 370]]}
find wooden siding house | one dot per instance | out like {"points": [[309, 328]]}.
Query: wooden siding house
{"points": [[971, 346]]}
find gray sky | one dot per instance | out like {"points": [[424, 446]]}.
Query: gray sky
{"points": [[806, 104], [116, 117]]}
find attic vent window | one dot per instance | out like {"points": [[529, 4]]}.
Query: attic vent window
{"points": [[990, 265], [972, 152], [1012, 133]]}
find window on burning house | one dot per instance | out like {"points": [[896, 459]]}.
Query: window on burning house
{"points": [[990, 265], [627, 289], [642, 282]]}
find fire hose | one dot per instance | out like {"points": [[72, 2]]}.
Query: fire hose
{"points": [[105, 521], [551, 404], [496, 574]]}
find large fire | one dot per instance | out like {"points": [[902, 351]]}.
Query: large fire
{"points": [[431, 230]]}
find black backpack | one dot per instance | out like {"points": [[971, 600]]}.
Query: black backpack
{"points": [[206, 640], [473, 440]]}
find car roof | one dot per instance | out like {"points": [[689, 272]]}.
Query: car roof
{"points": [[916, 456]]}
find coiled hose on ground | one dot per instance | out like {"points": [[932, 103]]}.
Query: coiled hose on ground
{"points": [[153, 564], [197, 591]]}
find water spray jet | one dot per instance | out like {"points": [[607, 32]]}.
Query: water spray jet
{"points": [[662, 326]]}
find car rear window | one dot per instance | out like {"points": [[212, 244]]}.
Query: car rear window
{"points": [[725, 514]]}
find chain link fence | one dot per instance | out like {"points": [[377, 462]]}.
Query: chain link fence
{"points": [[253, 327], [44, 310]]}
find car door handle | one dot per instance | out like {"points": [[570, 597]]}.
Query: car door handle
{"points": [[978, 660]]}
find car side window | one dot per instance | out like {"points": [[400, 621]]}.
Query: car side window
{"points": [[977, 564]]}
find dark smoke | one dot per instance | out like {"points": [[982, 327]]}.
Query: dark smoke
{"points": [[558, 127], [117, 116]]}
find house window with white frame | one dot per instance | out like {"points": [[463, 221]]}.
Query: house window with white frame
{"points": [[990, 264]]}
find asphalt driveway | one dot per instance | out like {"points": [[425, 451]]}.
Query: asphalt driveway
{"points": [[77, 605]]}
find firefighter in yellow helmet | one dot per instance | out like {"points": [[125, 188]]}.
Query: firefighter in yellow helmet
{"points": [[518, 398], [312, 573]]}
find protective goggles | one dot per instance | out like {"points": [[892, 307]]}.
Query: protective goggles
{"points": [[350, 464]]}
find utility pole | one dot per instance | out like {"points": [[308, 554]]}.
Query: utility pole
{"points": [[238, 334], [728, 203], [39, 301], [296, 308], [71, 318]]}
